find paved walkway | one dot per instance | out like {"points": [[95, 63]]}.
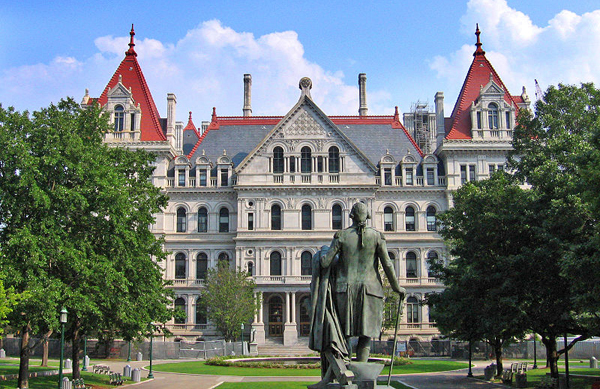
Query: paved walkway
{"points": [[447, 380]]}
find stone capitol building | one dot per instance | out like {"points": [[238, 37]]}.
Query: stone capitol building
{"points": [[265, 193]]}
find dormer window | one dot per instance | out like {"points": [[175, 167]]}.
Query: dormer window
{"points": [[493, 116], [119, 118]]}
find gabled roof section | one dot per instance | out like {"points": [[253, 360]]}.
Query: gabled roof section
{"points": [[133, 77], [478, 75], [306, 100], [190, 136]]}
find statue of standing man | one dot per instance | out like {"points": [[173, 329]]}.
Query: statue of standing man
{"points": [[347, 295]]}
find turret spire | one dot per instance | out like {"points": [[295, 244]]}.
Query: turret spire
{"points": [[131, 51], [479, 50]]}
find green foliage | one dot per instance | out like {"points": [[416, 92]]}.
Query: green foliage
{"points": [[75, 215], [7, 300], [220, 361], [228, 298]]}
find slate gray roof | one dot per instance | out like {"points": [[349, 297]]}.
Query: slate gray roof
{"points": [[372, 139], [190, 138]]}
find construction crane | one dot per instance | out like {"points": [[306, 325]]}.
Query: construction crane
{"points": [[538, 91]]}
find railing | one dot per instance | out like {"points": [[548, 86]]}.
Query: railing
{"points": [[190, 327], [419, 180], [192, 182], [334, 178], [282, 279], [121, 136], [306, 178], [278, 178], [178, 282], [413, 281], [213, 181]]}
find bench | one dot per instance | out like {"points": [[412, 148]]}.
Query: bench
{"points": [[101, 369], [80, 384], [507, 377], [116, 379]]}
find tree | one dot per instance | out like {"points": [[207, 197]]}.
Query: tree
{"points": [[7, 300], [557, 153], [485, 231], [228, 297], [76, 214]]}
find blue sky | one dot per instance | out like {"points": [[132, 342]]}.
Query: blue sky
{"points": [[200, 50]]}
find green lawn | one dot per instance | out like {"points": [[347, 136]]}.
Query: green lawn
{"points": [[100, 381], [14, 369], [418, 366], [282, 385]]}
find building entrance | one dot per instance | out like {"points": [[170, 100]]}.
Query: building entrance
{"points": [[276, 317], [304, 317]]}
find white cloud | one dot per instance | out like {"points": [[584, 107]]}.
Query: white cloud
{"points": [[561, 51], [204, 68]]}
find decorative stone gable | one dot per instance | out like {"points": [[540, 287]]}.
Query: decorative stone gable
{"points": [[304, 126]]}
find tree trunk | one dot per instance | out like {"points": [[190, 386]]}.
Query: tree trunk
{"points": [[76, 347], [45, 351], [24, 357], [551, 355], [497, 347]]}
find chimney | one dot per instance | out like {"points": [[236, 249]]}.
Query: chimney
{"points": [[439, 118], [362, 94], [171, 103], [247, 95]]}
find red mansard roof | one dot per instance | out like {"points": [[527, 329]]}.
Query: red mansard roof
{"points": [[478, 75], [190, 125], [132, 77]]}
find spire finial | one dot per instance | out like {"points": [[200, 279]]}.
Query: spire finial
{"points": [[479, 50], [190, 116], [131, 50], [214, 115]]}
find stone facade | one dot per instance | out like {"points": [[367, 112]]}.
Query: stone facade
{"points": [[265, 193]]}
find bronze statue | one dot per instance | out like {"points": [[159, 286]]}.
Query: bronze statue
{"points": [[347, 295]]}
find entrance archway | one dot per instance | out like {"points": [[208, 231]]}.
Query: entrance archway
{"points": [[276, 317]]}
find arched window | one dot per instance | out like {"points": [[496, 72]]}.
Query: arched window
{"points": [[493, 115], [432, 257], [180, 306], [412, 310], [388, 219], [431, 222], [202, 220], [306, 217], [334, 159], [201, 266], [224, 220], [224, 258], [275, 217], [181, 219], [180, 266], [119, 118], [200, 313], [250, 269], [409, 215], [305, 160], [306, 263], [411, 265], [336, 217], [275, 265], [277, 160], [393, 259]]}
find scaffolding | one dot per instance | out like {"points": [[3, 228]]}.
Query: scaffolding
{"points": [[422, 126]]}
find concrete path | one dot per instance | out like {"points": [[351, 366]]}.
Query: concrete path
{"points": [[446, 380]]}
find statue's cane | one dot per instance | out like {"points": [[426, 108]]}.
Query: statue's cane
{"points": [[395, 338]]}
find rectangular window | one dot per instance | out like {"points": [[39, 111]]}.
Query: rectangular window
{"points": [[250, 221], [387, 174], [508, 120], [463, 174], [292, 164], [492, 168], [224, 177], [430, 177], [181, 177], [203, 177], [471, 172], [132, 123], [479, 120], [500, 168], [409, 176], [320, 164]]}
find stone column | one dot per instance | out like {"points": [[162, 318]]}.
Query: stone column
{"points": [[293, 307], [290, 334], [259, 326]]}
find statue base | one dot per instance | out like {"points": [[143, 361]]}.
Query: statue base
{"points": [[365, 377]]}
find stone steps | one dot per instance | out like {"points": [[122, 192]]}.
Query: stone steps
{"points": [[272, 348]]}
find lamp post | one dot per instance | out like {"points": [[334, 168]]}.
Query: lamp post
{"points": [[242, 338], [566, 363], [84, 352], [63, 321], [470, 374], [129, 351], [150, 375], [534, 352]]}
